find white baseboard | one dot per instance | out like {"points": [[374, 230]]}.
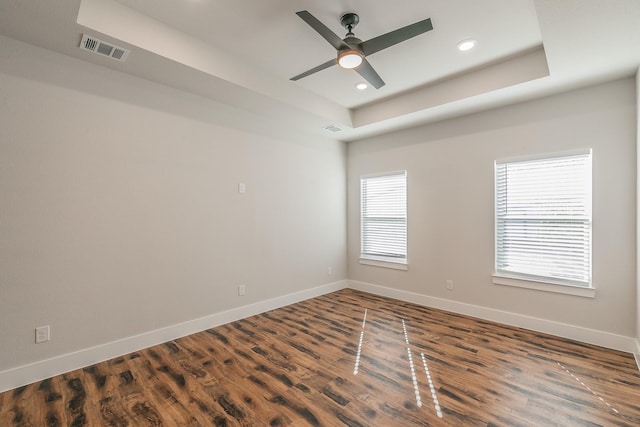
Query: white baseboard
{"points": [[591, 336], [37, 371], [27, 374]]}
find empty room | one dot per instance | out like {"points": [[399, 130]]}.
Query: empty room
{"points": [[295, 213]]}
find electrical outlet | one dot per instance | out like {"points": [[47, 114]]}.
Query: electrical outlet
{"points": [[242, 290], [43, 334], [242, 188], [450, 284], [329, 271]]}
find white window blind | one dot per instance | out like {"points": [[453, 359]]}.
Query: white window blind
{"points": [[384, 217], [543, 219]]}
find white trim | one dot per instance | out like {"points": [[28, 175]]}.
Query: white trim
{"points": [[379, 174], [396, 265], [636, 353], [546, 155], [578, 333], [40, 370], [519, 282]]}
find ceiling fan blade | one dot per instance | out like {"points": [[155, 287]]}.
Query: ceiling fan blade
{"points": [[320, 67], [384, 41], [322, 29], [366, 70]]}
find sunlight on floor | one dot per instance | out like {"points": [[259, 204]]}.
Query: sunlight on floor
{"points": [[615, 411], [412, 368]]}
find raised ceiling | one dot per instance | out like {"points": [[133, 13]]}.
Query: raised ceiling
{"points": [[269, 37], [242, 53]]}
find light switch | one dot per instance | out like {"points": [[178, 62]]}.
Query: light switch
{"points": [[43, 334]]}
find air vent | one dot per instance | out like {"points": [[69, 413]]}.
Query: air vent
{"points": [[332, 128], [94, 45]]}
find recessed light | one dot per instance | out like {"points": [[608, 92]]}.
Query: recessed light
{"points": [[467, 44], [361, 86]]}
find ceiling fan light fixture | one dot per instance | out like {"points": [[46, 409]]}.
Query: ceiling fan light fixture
{"points": [[350, 58]]}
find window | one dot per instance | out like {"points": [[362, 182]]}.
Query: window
{"points": [[383, 221], [543, 220]]}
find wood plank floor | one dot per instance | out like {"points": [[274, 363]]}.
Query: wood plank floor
{"points": [[322, 362]]}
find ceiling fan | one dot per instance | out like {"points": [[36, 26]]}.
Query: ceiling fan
{"points": [[352, 52]]}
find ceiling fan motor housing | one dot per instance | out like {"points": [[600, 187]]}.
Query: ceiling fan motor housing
{"points": [[353, 42]]}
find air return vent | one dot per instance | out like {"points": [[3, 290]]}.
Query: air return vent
{"points": [[94, 45], [332, 128]]}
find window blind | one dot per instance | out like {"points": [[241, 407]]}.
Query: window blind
{"points": [[543, 218], [384, 217]]}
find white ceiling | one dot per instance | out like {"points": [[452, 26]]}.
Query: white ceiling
{"points": [[242, 53], [271, 38]]}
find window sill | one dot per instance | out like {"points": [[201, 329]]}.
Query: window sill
{"points": [[501, 279], [385, 263]]}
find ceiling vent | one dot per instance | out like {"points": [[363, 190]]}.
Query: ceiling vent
{"points": [[332, 128], [94, 45]]}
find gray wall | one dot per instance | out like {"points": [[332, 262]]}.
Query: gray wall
{"points": [[638, 220], [120, 210], [451, 197]]}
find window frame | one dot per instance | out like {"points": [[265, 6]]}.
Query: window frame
{"points": [[396, 263], [546, 283]]}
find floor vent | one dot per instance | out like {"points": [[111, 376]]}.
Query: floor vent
{"points": [[94, 45], [332, 128]]}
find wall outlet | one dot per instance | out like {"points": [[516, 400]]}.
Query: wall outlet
{"points": [[43, 334], [242, 290], [242, 188], [329, 271], [450, 284]]}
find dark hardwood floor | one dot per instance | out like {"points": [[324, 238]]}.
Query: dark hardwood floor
{"points": [[321, 363]]}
